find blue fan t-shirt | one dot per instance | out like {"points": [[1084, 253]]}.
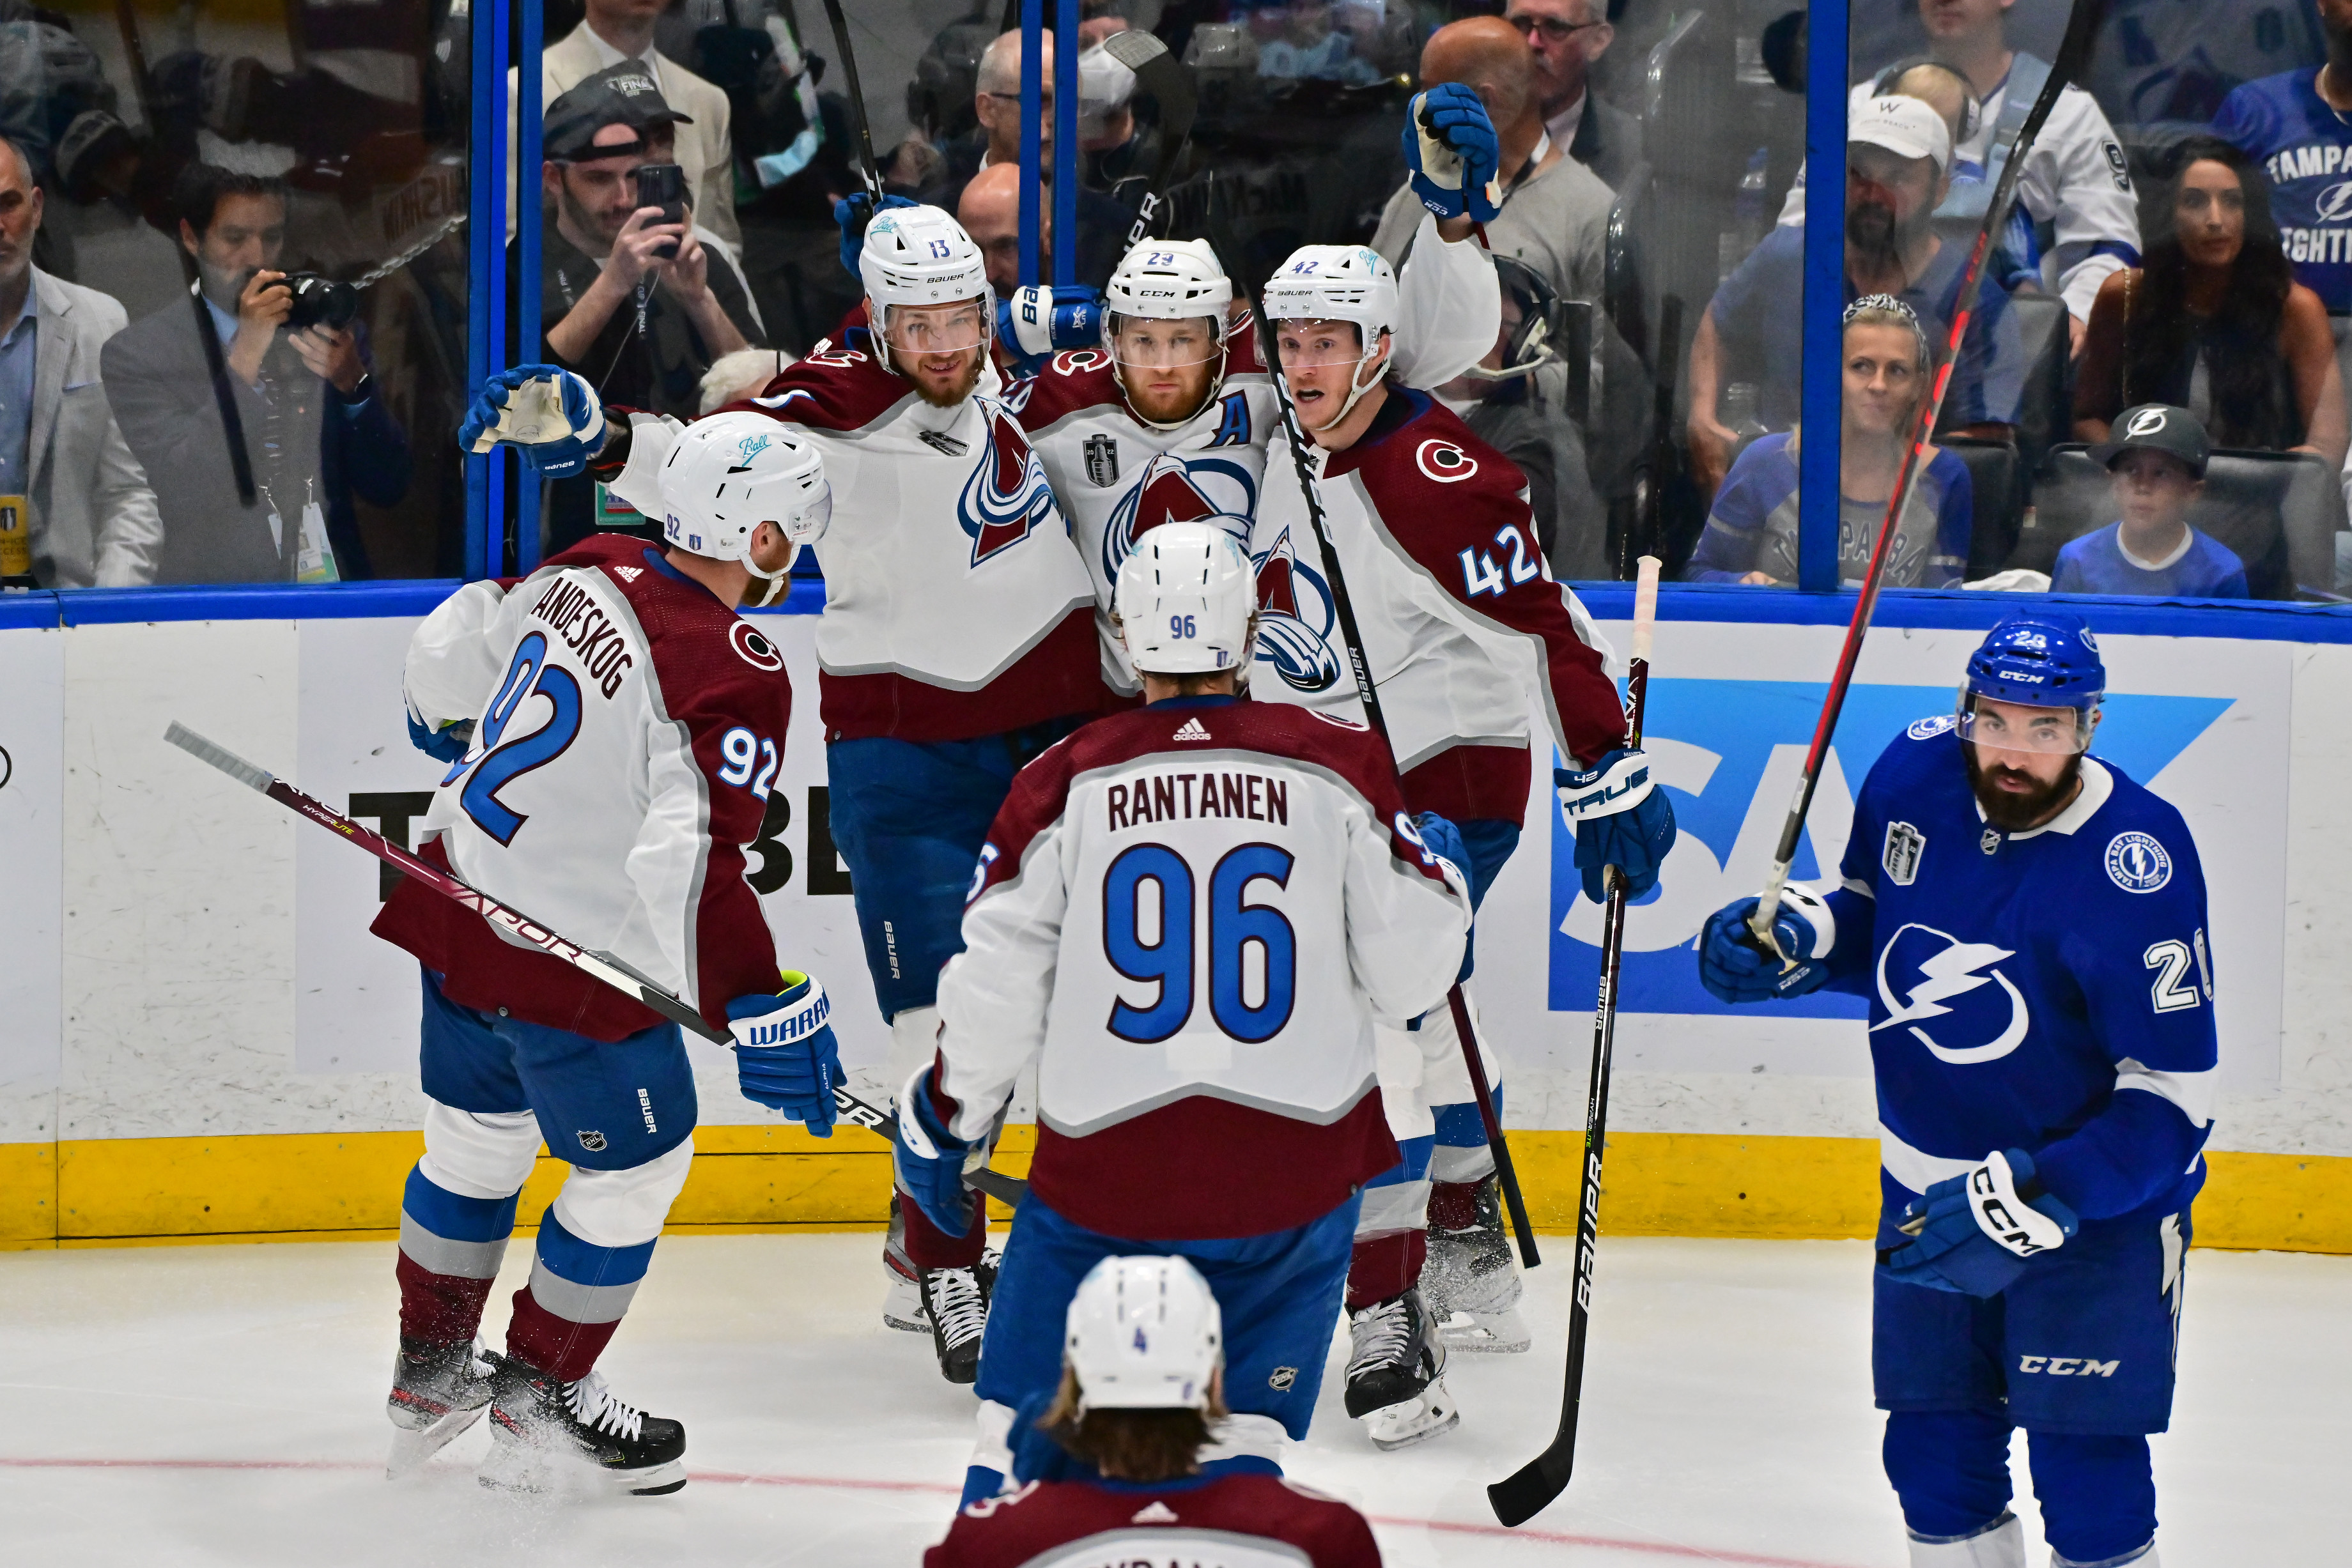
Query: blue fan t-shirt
{"points": [[2282, 123], [2201, 567]]}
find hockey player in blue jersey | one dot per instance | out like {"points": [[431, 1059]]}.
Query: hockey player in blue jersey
{"points": [[2028, 925]]}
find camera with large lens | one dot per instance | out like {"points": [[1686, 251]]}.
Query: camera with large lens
{"points": [[319, 301]]}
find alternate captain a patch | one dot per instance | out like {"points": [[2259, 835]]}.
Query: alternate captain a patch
{"points": [[1102, 460], [1903, 846]]}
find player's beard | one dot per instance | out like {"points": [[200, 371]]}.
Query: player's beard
{"points": [[1870, 228], [2015, 811], [962, 388]]}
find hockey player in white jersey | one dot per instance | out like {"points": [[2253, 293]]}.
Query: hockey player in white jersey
{"points": [[606, 720], [1187, 918], [1465, 631], [957, 640]]}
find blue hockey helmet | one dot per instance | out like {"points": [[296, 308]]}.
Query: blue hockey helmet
{"points": [[2041, 660]]}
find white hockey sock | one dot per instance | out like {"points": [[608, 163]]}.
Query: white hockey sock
{"points": [[2143, 1558], [914, 1040], [2001, 1545]]}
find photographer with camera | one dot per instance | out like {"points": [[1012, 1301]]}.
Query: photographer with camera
{"points": [[252, 405]]}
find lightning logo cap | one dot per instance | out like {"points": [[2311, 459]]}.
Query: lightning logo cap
{"points": [[2157, 427]]}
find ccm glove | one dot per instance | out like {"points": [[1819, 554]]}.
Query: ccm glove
{"points": [[785, 1056], [1975, 1233], [1735, 968], [853, 213], [1451, 154], [928, 1160], [547, 412], [1620, 819]]}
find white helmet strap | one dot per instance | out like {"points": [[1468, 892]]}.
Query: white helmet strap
{"points": [[1356, 388]]}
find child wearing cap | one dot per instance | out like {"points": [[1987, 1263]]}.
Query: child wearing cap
{"points": [[2157, 457]]}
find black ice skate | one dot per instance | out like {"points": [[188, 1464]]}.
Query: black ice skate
{"points": [[438, 1391], [540, 1429], [955, 1301], [1471, 1284], [1396, 1380]]}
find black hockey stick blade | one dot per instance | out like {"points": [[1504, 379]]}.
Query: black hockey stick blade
{"points": [[855, 96], [1163, 76], [615, 972]]}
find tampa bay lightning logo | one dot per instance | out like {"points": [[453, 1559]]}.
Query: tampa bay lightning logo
{"points": [[1295, 620], [2138, 863], [1934, 725], [1171, 489], [1946, 979], [1007, 496]]}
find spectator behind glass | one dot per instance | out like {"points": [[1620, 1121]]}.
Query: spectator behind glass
{"points": [[641, 328], [1751, 535], [84, 514], [989, 212], [2215, 322], [2159, 464], [2294, 126], [1568, 36], [301, 407], [1898, 151]]}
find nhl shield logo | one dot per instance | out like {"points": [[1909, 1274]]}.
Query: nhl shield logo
{"points": [[1282, 1378], [1904, 845], [1102, 460], [593, 1142]]}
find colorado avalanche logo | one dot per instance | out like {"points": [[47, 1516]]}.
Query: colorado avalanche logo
{"points": [[1444, 462], [1171, 490], [1295, 619], [1007, 495]]}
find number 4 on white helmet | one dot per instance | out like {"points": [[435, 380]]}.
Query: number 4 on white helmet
{"points": [[727, 475], [1144, 1333], [1185, 600]]}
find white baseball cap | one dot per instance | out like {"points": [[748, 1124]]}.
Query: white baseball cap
{"points": [[1906, 127]]}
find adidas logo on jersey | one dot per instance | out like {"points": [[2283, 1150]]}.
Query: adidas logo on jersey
{"points": [[1154, 1513], [628, 574], [1190, 729]]}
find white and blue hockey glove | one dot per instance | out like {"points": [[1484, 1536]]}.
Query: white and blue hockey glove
{"points": [[1620, 819], [1451, 154], [785, 1056], [1975, 1233], [1733, 968], [552, 416], [447, 744], [1440, 838], [929, 1160], [853, 213]]}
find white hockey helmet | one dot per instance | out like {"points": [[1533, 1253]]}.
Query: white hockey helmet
{"points": [[1185, 598], [1144, 1333], [1337, 283], [919, 255], [1170, 280], [727, 475]]}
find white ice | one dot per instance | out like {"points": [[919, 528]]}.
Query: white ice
{"points": [[224, 1405]]}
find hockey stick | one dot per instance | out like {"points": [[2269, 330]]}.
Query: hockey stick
{"points": [[1294, 434], [1163, 76], [516, 927], [856, 95], [2081, 31], [1529, 1490]]}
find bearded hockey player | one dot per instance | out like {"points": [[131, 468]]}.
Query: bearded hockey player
{"points": [[605, 720], [1465, 632], [1110, 1460], [2028, 925], [958, 642], [1187, 916]]}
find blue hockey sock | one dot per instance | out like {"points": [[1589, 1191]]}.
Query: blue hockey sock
{"points": [[2098, 1494], [1950, 1470]]}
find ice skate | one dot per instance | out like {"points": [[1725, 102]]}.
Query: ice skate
{"points": [[956, 1302], [1396, 1380], [1471, 1284], [540, 1429], [438, 1391], [902, 1304]]}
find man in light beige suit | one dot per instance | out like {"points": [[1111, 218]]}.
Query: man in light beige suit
{"points": [[619, 30], [93, 518]]}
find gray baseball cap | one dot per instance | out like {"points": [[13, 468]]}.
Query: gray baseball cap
{"points": [[625, 94], [2156, 427]]}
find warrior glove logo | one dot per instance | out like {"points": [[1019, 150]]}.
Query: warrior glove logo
{"points": [[1952, 975], [2138, 863]]}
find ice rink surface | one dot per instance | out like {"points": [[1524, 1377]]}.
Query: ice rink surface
{"points": [[224, 1405]]}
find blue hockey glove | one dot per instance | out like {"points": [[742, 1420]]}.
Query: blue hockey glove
{"points": [[448, 743], [785, 1056], [1036, 321], [1440, 838], [1975, 1233], [1620, 819], [928, 1160], [550, 415], [1451, 154], [1734, 969], [853, 213]]}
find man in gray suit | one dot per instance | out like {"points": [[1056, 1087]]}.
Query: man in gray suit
{"points": [[1567, 36], [89, 517]]}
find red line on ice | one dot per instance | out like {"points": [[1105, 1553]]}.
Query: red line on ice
{"points": [[844, 1483]]}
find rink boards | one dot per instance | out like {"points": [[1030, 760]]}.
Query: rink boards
{"points": [[199, 1039]]}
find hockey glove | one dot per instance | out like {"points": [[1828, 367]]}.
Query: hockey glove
{"points": [[1733, 968], [1451, 154], [1975, 1233], [785, 1057], [1620, 819], [1036, 321], [447, 744], [927, 1159], [853, 213], [549, 414]]}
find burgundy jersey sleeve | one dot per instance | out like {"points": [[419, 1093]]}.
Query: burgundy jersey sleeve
{"points": [[838, 387]]}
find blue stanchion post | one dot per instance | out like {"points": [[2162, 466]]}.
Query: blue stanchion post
{"points": [[1033, 123], [1066, 143], [1824, 301], [529, 125], [493, 239], [483, 177]]}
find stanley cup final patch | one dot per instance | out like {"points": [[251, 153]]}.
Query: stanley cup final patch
{"points": [[1102, 460], [1901, 859]]}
